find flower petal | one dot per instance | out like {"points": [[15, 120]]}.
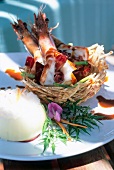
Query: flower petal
{"points": [[54, 111], [57, 116], [50, 115]]}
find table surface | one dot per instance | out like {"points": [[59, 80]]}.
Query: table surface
{"points": [[101, 158]]}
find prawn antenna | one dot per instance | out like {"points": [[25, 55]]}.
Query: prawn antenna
{"points": [[42, 7], [13, 18]]}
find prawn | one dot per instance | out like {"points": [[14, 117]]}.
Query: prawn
{"points": [[29, 41], [76, 52], [94, 54], [53, 59]]}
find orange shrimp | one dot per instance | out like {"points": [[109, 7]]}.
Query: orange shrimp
{"points": [[76, 52], [94, 54], [30, 42], [49, 50]]}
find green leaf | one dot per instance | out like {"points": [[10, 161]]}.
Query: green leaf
{"points": [[45, 125], [53, 148], [84, 130], [81, 63], [25, 74], [61, 85], [46, 144]]}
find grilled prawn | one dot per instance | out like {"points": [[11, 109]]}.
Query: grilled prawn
{"points": [[94, 54], [76, 52], [54, 60], [29, 41], [34, 64]]}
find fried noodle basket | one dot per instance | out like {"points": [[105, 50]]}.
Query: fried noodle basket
{"points": [[82, 90]]}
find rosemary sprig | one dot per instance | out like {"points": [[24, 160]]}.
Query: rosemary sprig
{"points": [[51, 133], [81, 115], [74, 114]]}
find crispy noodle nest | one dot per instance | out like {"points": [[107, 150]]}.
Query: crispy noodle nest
{"points": [[82, 90]]}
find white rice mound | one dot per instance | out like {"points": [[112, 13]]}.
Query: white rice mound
{"points": [[21, 115]]}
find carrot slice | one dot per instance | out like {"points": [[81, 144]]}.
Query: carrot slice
{"points": [[63, 128], [73, 124], [12, 73]]}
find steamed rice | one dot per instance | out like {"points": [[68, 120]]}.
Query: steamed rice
{"points": [[21, 117]]}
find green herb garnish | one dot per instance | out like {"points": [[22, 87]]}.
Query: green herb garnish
{"points": [[69, 86], [74, 114], [81, 115], [78, 63], [51, 133], [25, 74], [61, 85], [81, 81]]}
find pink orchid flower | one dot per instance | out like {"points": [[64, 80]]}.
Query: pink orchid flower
{"points": [[54, 111]]}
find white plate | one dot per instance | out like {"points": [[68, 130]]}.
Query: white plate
{"points": [[32, 150]]}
